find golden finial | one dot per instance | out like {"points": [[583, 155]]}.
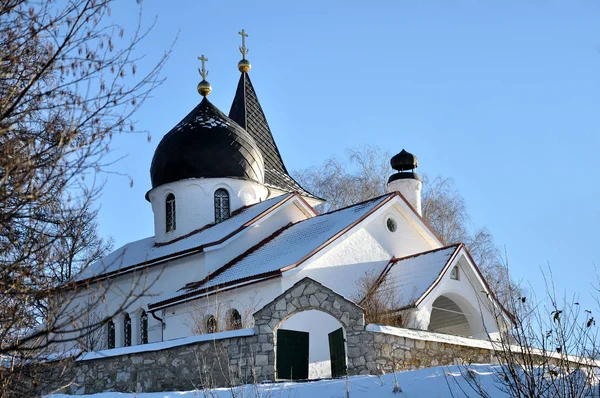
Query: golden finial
{"points": [[204, 87], [244, 65]]}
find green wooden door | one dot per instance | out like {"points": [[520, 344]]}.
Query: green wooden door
{"points": [[337, 353], [292, 355]]}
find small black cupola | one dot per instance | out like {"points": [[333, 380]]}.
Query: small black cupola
{"points": [[403, 162]]}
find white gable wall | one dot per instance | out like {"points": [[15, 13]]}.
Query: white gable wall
{"points": [[467, 294], [409, 238], [343, 263]]}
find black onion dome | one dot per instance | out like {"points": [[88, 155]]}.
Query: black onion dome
{"points": [[208, 144], [404, 161]]}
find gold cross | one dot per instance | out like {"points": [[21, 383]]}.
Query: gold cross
{"points": [[203, 71], [243, 48]]}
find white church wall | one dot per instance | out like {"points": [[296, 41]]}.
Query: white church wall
{"points": [[194, 202], [318, 325], [406, 240]]}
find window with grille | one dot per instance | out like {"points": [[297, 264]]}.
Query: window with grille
{"points": [[221, 205], [110, 332], [144, 328], [211, 324], [235, 320], [127, 330], [170, 213]]}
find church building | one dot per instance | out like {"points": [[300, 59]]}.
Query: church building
{"points": [[233, 231]]}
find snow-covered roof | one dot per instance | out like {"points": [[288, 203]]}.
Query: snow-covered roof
{"points": [[146, 251], [285, 249], [415, 274]]}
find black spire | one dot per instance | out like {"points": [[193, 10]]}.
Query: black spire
{"points": [[247, 112]]}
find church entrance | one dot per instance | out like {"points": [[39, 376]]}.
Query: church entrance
{"points": [[310, 345], [448, 317]]}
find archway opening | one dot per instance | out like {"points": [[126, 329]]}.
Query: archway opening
{"points": [[310, 345], [448, 317]]}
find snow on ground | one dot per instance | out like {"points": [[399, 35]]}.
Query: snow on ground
{"points": [[435, 382]]}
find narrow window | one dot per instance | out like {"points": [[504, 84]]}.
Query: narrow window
{"points": [[144, 328], [127, 330], [110, 332], [235, 320], [221, 205], [211, 324], [170, 209], [454, 273]]}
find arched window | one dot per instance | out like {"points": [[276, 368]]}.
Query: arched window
{"points": [[127, 330], [170, 213], [143, 328], [235, 320], [221, 205], [211, 324], [110, 333]]}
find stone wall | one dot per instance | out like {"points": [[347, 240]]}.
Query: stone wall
{"points": [[388, 352], [223, 362], [249, 358]]}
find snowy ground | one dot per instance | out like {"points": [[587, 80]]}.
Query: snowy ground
{"points": [[424, 383]]}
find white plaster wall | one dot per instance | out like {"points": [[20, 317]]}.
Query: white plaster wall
{"points": [[409, 237], [194, 202], [318, 324]]}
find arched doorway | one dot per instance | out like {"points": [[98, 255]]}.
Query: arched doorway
{"points": [[448, 317], [310, 345]]}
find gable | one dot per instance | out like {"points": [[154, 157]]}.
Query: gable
{"points": [[413, 276]]}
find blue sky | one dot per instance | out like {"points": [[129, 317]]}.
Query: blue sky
{"points": [[501, 96]]}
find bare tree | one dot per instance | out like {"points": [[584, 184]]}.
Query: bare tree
{"points": [[342, 182], [364, 173], [68, 84], [381, 300], [551, 351]]}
